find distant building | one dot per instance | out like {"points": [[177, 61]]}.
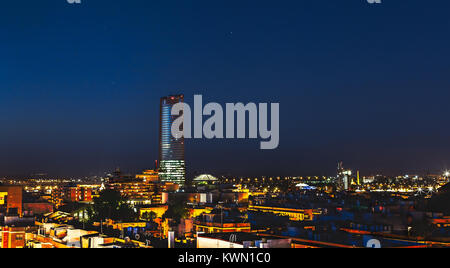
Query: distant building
{"points": [[343, 178], [205, 182], [72, 193], [37, 208], [148, 176], [171, 149], [207, 197], [79, 194], [11, 199], [142, 189], [137, 189]]}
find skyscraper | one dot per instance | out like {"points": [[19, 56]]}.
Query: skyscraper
{"points": [[171, 149], [343, 178]]}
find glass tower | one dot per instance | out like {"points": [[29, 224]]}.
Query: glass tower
{"points": [[171, 149]]}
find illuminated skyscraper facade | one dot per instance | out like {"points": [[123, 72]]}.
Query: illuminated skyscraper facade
{"points": [[343, 178], [171, 149]]}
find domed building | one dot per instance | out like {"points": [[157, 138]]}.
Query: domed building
{"points": [[205, 183], [205, 179]]}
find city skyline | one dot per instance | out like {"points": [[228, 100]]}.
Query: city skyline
{"points": [[365, 84], [230, 125]]}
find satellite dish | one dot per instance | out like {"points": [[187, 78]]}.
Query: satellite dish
{"points": [[373, 243]]}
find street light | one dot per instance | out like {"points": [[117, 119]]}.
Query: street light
{"points": [[447, 173]]}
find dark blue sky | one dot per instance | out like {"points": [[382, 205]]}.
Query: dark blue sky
{"points": [[366, 84]]}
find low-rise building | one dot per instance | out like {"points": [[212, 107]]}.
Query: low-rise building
{"points": [[241, 240], [12, 237], [220, 223], [294, 214]]}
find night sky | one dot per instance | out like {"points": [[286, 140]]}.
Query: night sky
{"points": [[365, 84]]}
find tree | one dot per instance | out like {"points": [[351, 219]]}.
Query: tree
{"points": [[149, 216], [441, 201], [176, 212], [111, 205], [85, 214], [126, 213], [422, 228]]}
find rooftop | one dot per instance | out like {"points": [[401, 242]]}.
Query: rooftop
{"points": [[238, 237], [205, 177]]}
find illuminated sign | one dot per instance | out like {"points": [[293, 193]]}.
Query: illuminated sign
{"points": [[3, 198]]}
